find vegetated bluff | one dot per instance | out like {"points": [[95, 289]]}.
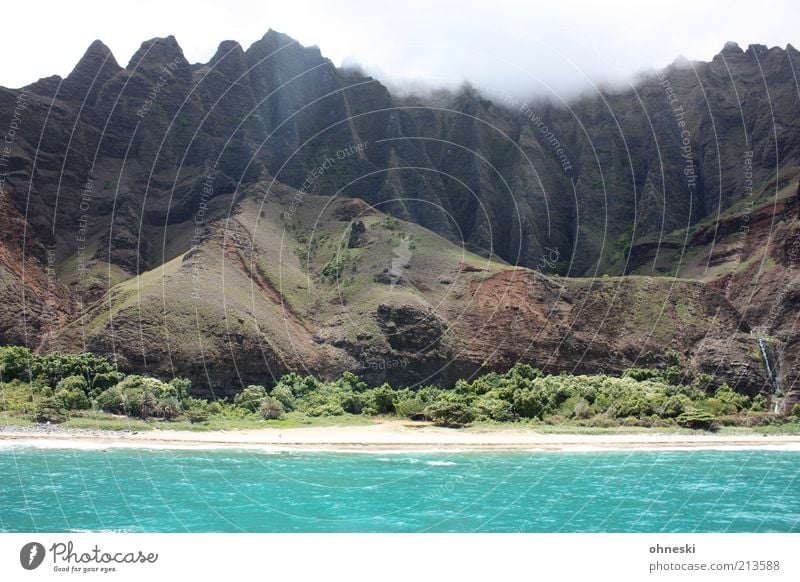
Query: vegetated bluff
{"points": [[227, 220]]}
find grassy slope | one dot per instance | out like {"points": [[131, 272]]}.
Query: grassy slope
{"points": [[256, 279]]}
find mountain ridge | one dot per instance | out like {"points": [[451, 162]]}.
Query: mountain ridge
{"points": [[489, 176]]}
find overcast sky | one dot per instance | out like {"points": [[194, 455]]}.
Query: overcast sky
{"points": [[558, 46]]}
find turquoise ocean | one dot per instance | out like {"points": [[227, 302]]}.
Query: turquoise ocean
{"points": [[226, 490]]}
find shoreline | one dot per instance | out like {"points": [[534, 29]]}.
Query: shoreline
{"points": [[388, 437]]}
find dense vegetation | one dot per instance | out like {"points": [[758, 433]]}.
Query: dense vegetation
{"points": [[53, 387]]}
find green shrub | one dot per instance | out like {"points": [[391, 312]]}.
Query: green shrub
{"points": [[674, 375], [716, 407], [486, 383], [73, 383], [283, 394], [524, 371], [182, 387], [759, 403], [381, 399], [15, 363], [491, 408], [410, 408], [696, 420], [726, 394], [349, 381], [635, 405], [796, 411], [641, 374], [154, 386], [105, 380], [17, 395], [298, 385], [703, 382], [449, 414], [673, 358], [50, 410], [111, 401], [351, 402], [215, 407], [324, 408], [389, 222], [196, 414], [327, 401], [74, 399], [333, 269], [428, 394], [250, 398], [531, 403], [674, 406]]}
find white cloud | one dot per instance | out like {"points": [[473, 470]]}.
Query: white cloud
{"points": [[519, 46]]}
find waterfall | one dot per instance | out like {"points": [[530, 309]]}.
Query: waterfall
{"points": [[773, 379]]}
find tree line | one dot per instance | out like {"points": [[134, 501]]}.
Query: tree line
{"points": [[51, 387]]}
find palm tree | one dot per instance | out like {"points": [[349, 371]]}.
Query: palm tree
{"points": [[270, 409], [169, 408], [147, 404]]}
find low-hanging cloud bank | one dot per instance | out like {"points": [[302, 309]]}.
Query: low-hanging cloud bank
{"points": [[552, 49]]}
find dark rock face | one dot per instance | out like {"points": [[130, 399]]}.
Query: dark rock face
{"points": [[409, 329], [718, 357], [358, 235], [519, 180]]}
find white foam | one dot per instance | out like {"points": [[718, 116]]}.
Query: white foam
{"points": [[382, 450]]}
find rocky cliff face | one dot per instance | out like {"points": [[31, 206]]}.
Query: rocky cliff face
{"points": [[115, 172], [508, 177]]}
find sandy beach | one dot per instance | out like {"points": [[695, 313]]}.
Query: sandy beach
{"points": [[387, 436]]}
